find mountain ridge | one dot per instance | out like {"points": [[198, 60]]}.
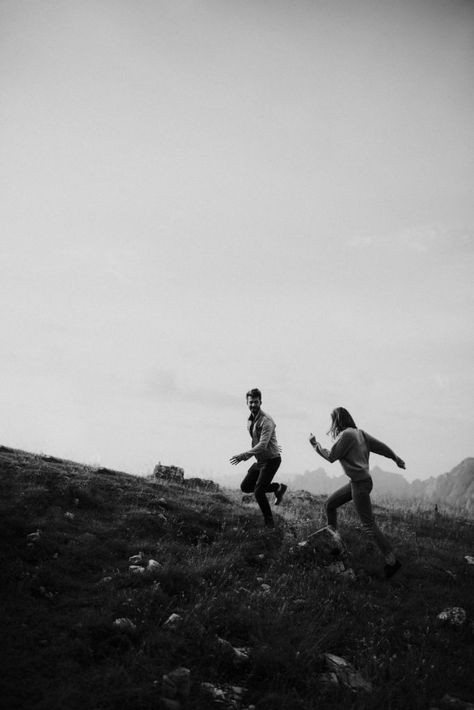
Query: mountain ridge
{"points": [[454, 489]]}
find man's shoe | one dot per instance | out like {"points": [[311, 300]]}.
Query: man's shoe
{"points": [[391, 569], [280, 493]]}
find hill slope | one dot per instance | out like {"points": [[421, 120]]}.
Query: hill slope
{"points": [[81, 630]]}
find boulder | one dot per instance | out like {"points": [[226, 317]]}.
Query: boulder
{"points": [[172, 474], [202, 483], [346, 674], [177, 684], [453, 616]]}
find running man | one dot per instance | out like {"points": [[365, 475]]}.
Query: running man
{"points": [[266, 450]]}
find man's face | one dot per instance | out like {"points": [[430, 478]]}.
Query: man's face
{"points": [[254, 404]]}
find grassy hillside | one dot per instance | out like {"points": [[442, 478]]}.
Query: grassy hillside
{"points": [[68, 532]]}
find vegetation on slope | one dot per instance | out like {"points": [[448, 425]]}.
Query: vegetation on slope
{"points": [[67, 534]]}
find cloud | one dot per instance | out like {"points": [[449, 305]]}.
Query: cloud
{"points": [[163, 385]]}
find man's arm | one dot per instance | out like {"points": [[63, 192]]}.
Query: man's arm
{"points": [[378, 447]]}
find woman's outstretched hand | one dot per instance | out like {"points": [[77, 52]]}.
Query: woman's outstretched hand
{"points": [[400, 462], [312, 440]]}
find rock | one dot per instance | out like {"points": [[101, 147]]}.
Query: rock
{"points": [[105, 580], [239, 656], [203, 483], [34, 536], [328, 680], [469, 559], [69, 516], [153, 565], [136, 569], [173, 474], [326, 546], [224, 696], [137, 559], [125, 624], [449, 702], [177, 684], [346, 673], [173, 621], [266, 589], [454, 616]]}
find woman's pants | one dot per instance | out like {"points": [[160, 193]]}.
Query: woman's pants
{"points": [[359, 492], [258, 481]]}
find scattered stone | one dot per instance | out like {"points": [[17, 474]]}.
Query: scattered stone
{"points": [[469, 559], [177, 684], [449, 702], [336, 567], [266, 589], [327, 547], [153, 565], [136, 569], [328, 680], [223, 695], [454, 616], [239, 656], [105, 580], [347, 674], [34, 536], [137, 559], [69, 516], [125, 624], [173, 621]]}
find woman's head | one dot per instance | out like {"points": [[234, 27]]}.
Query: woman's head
{"points": [[340, 420]]}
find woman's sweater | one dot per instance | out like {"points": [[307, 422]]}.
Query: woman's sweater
{"points": [[352, 448]]}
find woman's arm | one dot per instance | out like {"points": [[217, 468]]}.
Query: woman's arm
{"points": [[378, 447], [338, 451]]}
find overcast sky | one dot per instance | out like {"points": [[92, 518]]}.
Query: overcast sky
{"points": [[203, 196]]}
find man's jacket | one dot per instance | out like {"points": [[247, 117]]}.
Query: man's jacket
{"points": [[264, 442]]}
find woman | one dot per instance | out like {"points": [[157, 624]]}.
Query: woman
{"points": [[352, 447]]}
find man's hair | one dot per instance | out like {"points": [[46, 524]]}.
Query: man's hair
{"points": [[254, 393], [341, 419]]}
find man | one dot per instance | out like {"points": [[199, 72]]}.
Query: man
{"points": [[265, 448]]}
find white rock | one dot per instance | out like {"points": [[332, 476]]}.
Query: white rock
{"points": [[469, 559], [136, 569], [153, 564], [266, 589], [34, 536], [125, 624], [173, 621], [69, 516], [455, 616], [137, 559]]}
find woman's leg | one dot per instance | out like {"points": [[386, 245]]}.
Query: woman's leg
{"points": [[363, 505], [340, 497]]}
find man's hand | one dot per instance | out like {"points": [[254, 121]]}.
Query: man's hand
{"points": [[312, 440], [400, 462], [236, 459]]}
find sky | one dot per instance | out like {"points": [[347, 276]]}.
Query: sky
{"points": [[204, 196]]}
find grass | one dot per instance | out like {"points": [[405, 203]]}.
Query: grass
{"points": [[227, 579]]}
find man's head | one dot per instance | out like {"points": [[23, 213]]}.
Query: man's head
{"points": [[254, 400]]}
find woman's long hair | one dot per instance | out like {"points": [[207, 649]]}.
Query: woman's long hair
{"points": [[340, 420]]}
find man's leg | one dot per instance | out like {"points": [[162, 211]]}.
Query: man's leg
{"points": [[340, 497], [248, 484], [363, 505], [264, 485]]}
